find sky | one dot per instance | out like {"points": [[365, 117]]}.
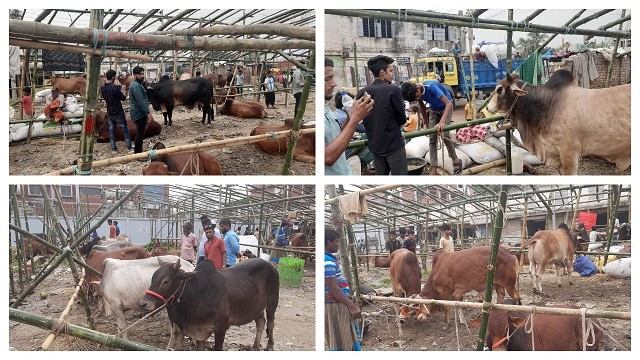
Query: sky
{"points": [[552, 17]]}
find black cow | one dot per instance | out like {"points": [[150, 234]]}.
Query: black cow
{"points": [[209, 301], [624, 233], [167, 94]]}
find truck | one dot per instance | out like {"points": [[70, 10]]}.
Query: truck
{"points": [[457, 73]]}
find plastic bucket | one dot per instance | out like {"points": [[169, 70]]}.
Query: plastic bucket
{"points": [[290, 271], [517, 162]]}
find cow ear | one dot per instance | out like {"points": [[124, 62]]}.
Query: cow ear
{"points": [[516, 321], [516, 90], [475, 323], [188, 275]]}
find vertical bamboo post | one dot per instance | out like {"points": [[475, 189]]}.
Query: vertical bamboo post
{"points": [[508, 69], [19, 255], [87, 139], [613, 214], [613, 57], [471, 60], [336, 219], [366, 245], [577, 208], [488, 290], [523, 238], [175, 64], [355, 66]]}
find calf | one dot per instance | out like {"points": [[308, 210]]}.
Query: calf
{"points": [[167, 94], [305, 150], [198, 163], [405, 273], [508, 330], [550, 247], [152, 128], [453, 274], [208, 301], [243, 109], [124, 283], [76, 85]]}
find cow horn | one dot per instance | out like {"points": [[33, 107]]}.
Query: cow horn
{"points": [[150, 88]]}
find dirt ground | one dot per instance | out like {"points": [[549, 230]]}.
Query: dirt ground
{"points": [[599, 291], [47, 154], [294, 322]]}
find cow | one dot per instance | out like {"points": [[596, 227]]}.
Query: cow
{"points": [[105, 244], [560, 122], [161, 252], [96, 259], [32, 248], [243, 109], [624, 232], [124, 283], [305, 150], [208, 301], [556, 247], [453, 274], [121, 244], [75, 85], [508, 330], [198, 163], [405, 273], [381, 262], [299, 240], [152, 128], [167, 94], [125, 81]]}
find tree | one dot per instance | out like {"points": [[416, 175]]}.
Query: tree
{"points": [[531, 42]]}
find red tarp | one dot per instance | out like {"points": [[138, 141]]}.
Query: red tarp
{"points": [[588, 219]]}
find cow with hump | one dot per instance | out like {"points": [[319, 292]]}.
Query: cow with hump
{"points": [[506, 330], [561, 122], [124, 282], [453, 274], [167, 94], [209, 301]]}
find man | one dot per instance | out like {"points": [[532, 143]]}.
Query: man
{"points": [[403, 235], [139, 106], [204, 221], [456, 51], [479, 55], [229, 77], [296, 87], [112, 228], [440, 110], [410, 243], [339, 311], [336, 141], [384, 123], [214, 248], [231, 242], [446, 241], [393, 244], [115, 223], [188, 243], [239, 82], [114, 97]]}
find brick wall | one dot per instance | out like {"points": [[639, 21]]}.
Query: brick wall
{"points": [[621, 73]]}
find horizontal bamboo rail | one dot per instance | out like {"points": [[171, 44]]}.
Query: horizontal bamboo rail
{"points": [[284, 30], [187, 148], [79, 49], [365, 192], [77, 331], [288, 249], [621, 315]]}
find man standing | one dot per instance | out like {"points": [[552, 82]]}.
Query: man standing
{"points": [[446, 241], [393, 244], [139, 106], [188, 243], [115, 223], [410, 243], [204, 221], [214, 248], [335, 140], [239, 81], [112, 229], [339, 311], [384, 123], [231, 242], [114, 97], [269, 86], [440, 110], [296, 87]]}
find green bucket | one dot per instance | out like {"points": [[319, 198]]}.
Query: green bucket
{"points": [[290, 271]]}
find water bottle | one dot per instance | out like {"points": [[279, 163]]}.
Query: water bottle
{"points": [[347, 101]]}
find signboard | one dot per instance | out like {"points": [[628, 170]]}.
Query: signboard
{"points": [[588, 219], [403, 60]]}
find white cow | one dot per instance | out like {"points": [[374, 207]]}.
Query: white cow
{"points": [[124, 283]]}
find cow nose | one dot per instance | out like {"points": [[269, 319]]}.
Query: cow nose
{"points": [[142, 304]]}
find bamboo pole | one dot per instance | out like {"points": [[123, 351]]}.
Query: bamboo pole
{"points": [[284, 30], [523, 238], [613, 56], [355, 66], [186, 148], [336, 219], [613, 215], [575, 211], [334, 199], [553, 36], [483, 167], [52, 336], [77, 49], [44, 32], [77, 331]]}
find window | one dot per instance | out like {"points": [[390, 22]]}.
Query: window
{"points": [[34, 190], [437, 32], [376, 28], [449, 66], [66, 191]]}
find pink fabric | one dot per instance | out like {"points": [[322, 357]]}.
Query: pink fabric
{"points": [[472, 133]]}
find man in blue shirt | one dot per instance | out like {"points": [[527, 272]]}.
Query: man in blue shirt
{"points": [[440, 109], [138, 106], [231, 242]]}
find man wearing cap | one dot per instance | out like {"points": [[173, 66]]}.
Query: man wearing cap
{"points": [[296, 87], [214, 248]]}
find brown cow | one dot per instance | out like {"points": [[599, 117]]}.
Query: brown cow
{"points": [[161, 252], [125, 81], [76, 85], [152, 128], [96, 259], [31, 247], [405, 273], [243, 109], [381, 262], [453, 274], [550, 247], [561, 122], [198, 163], [305, 146], [506, 330], [299, 240]]}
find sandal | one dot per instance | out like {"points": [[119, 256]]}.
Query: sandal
{"points": [[457, 168]]}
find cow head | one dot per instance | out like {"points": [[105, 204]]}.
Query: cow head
{"points": [[505, 94], [499, 328], [165, 285], [157, 168], [153, 94]]}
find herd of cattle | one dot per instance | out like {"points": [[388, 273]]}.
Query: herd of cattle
{"points": [[454, 274], [203, 92]]}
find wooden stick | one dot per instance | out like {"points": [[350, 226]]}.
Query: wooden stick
{"points": [[187, 148], [49, 340], [483, 167], [79, 49], [284, 30]]}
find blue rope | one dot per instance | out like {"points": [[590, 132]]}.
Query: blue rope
{"points": [[190, 42], [78, 171], [105, 39], [273, 135], [152, 154]]}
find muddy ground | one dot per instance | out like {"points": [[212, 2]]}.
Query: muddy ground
{"points": [[294, 320], [599, 291], [48, 154]]}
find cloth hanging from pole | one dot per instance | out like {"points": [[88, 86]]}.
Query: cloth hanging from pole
{"points": [[353, 206]]}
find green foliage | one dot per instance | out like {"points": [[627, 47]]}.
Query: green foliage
{"points": [[530, 43], [386, 282]]}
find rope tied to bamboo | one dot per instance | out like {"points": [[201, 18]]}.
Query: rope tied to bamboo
{"points": [[191, 42], [96, 42], [59, 327], [152, 154], [78, 171], [474, 21]]}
